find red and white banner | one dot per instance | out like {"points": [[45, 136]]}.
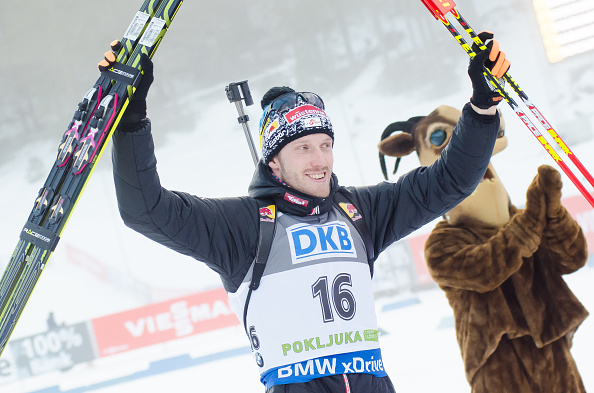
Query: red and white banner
{"points": [[163, 322], [583, 213]]}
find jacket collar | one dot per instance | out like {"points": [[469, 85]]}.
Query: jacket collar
{"points": [[287, 199]]}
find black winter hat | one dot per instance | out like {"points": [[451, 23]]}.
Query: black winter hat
{"points": [[278, 128]]}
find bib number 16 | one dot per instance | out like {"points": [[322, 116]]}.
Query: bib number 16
{"points": [[339, 297]]}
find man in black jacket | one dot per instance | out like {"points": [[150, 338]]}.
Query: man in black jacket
{"points": [[311, 322]]}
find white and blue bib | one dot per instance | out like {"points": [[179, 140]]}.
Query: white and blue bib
{"points": [[314, 313]]}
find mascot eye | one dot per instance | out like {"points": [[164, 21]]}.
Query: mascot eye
{"points": [[438, 137]]}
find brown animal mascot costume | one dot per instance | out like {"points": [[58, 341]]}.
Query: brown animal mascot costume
{"points": [[501, 269]]}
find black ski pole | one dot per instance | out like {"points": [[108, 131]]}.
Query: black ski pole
{"points": [[234, 96]]}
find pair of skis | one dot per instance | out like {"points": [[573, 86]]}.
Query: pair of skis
{"points": [[82, 145], [440, 9]]}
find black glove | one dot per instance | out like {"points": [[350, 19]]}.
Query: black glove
{"points": [[135, 116], [483, 96]]}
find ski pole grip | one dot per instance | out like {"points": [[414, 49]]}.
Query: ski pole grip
{"points": [[247, 95], [234, 95]]}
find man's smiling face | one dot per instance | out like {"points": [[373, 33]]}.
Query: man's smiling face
{"points": [[305, 164]]}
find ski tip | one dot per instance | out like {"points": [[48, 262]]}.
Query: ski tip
{"points": [[439, 7]]}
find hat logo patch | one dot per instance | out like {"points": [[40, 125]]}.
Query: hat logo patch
{"points": [[303, 110], [272, 127], [312, 122]]}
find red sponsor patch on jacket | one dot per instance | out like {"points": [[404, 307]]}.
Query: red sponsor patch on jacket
{"points": [[296, 200]]}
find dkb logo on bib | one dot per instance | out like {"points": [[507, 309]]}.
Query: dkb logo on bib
{"points": [[310, 242]]}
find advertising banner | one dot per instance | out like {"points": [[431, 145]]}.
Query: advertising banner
{"points": [[57, 349], [583, 213], [8, 372], [164, 321]]}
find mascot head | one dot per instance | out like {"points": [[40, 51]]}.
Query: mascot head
{"points": [[428, 136]]}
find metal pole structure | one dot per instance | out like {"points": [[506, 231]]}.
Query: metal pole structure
{"points": [[234, 96]]}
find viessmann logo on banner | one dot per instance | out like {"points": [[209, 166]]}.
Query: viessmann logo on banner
{"points": [[162, 322], [309, 242]]}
